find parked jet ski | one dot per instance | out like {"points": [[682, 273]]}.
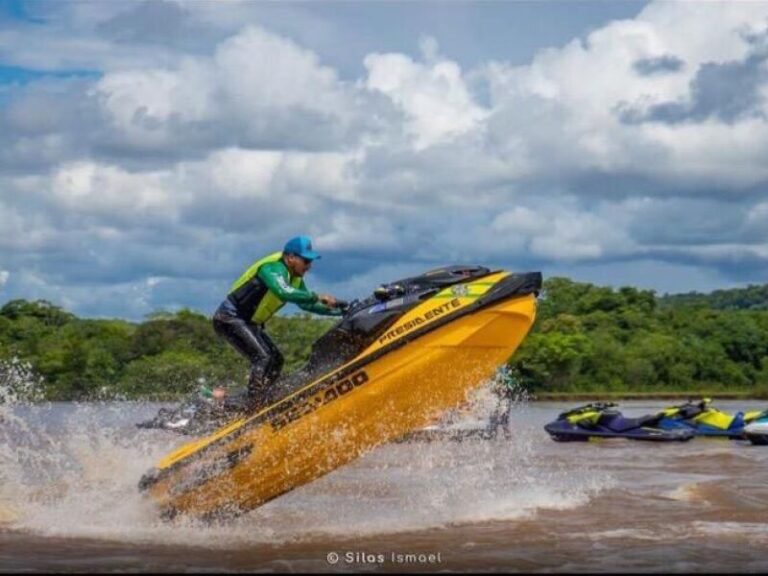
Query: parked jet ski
{"points": [[199, 414], [603, 420], [393, 364], [705, 420], [757, 432]]}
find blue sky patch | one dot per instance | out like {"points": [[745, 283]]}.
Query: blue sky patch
{"points": [[16, 10], [19, 75], [661, 65]]}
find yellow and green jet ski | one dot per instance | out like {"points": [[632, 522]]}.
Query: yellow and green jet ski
{"points": [[703, 419], [393, 364], [604, 420]]}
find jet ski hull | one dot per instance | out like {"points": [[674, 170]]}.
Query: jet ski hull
{"points": [[425, 364], [757, 432], [733, 433], [563, 431]]}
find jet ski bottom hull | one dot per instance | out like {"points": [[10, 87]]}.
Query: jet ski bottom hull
{"points": [[562, 431], [757, 433], [734, 433]]}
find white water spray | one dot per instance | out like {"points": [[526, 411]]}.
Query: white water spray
{"points": [[71, 470]]}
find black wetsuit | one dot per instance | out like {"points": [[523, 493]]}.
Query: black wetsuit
{"points": [[262, 290]]}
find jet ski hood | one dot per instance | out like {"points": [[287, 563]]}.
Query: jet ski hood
{"points": [[368, 321]]}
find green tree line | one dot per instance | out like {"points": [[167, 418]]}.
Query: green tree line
{"points": [[595, 339], [586, 338], [753, 297], [166, 355]]}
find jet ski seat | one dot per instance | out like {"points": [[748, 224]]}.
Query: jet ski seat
{"points": [[615, 421]]}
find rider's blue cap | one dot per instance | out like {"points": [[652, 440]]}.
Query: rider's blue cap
{"points": [[302, 246]]}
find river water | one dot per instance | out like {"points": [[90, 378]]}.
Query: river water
{"points": [[69, 502]]}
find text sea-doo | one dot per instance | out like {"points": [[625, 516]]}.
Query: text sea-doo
{"points": [[603, 420], [705, 420], [393, 364]]}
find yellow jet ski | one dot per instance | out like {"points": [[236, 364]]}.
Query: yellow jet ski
{"points": [[393, 364]]}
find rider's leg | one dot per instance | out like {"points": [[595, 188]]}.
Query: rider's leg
{"points": [[267, 368], [252, 342]]}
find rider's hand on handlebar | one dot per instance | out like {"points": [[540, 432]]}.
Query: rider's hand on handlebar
{"points": [[328, 300]]}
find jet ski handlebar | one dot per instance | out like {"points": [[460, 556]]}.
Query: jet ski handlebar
{"points": [[343, 305], [592, 407], [387, 292]]}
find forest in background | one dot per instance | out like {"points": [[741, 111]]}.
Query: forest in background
{"points": [[586, 339]]}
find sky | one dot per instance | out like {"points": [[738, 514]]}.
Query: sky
{"points": [[150, 151]]}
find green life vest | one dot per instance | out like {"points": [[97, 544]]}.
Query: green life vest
{"points": [[268, 304]]}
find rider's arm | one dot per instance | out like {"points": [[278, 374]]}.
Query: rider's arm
{"points": [[318, 307], [275, 276]]}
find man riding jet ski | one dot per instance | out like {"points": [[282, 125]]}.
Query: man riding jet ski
{"points": [[705, 420], [394, 363], [603, 420]]}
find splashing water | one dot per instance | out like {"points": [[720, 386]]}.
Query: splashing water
{"points": [[19, 383], [71, 470]]}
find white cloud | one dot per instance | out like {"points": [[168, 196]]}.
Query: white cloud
{"points": [[141, 104], [22, 230], [708, 31], [256, 86], [712, 153], [235, 173], [187, 158], [757, 221], [259, 70], [434, 96], [568, 101], [112, 192], [360, 233], [237, 189], [564, 232], [4, 275]]}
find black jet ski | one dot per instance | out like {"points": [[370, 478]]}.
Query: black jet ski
{"points": [[199, 414], [603, 420]]}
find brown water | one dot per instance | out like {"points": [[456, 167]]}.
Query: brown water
{"points": [[68, 502]]}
